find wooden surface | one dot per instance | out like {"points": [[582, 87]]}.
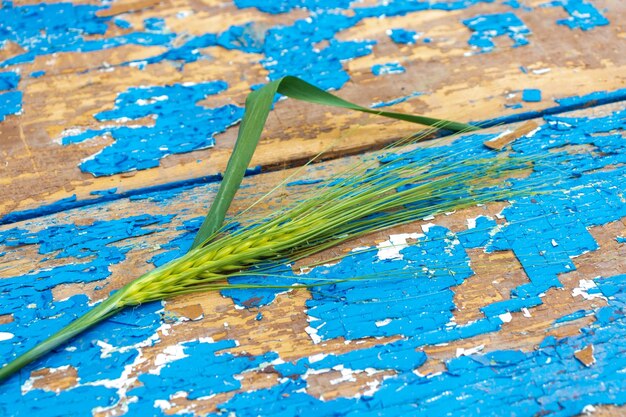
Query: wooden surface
{"points": [[283, 323], [109, 243], [75, 86]]}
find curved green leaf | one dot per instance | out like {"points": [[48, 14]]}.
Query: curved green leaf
{"points": [[257, 108]]}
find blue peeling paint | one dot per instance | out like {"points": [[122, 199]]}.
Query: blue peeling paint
{"points": [[582, 14], [307, 48], [403, 36], [399, 356], [531, 95], [81, 254], [515, 4], [543, 232], [10, 102], [565, 104], [578, 314], [473, 385], [592, 99], [181, 125], [486, 27], [296, 49], [186, 53], [106, 192], [303, 182], [389, 68], [478, 236], [284, 6], [121, 23], [291, 50], [216, 375], [9, 80], [543, 246], [561, 385], [47, 28], [244, 38], [396, 101]]}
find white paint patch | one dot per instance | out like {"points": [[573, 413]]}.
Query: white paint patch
{"points": [[347, 375], [382, 323], [164, 405], [541, 71], [554, 243], [317, 358], [471, 351], [170, 354], [532, 132], [6, 336], [506, 317], [426, 227], [313, 334], [390, 249], [105, 349], [525, 312], [184, 13], [471, 223], [372, 388], [138, 64], [584, 285], [360, 248]]}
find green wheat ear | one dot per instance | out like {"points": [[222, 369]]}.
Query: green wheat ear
{"points": [[362, 203]]}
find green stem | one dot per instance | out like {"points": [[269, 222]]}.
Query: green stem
{"points": [[103, 310]]}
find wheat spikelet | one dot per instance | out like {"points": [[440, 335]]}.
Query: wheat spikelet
{"points": [[392, 193]]}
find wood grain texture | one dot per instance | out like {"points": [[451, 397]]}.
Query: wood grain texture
{"points": [[455, 81], [282, 328]]}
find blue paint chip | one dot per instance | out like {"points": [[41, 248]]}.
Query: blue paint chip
{"points": [[479, 235], [106, 192], [582, 14], [594, 202], [403, 36], [121, 23], [488, 26], [389, 68], [396, 100], [578, 314], [10, 103], [303, 182], [154, 24], [47, 28], [213, 372], [180, 126], [9, 80], [531, 95], [284, 6]]}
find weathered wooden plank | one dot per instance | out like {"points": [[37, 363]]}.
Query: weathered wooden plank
{"points": [[506, 334], [444, 76]]}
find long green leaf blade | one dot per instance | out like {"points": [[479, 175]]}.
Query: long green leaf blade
{"points": [[257, 108]]}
